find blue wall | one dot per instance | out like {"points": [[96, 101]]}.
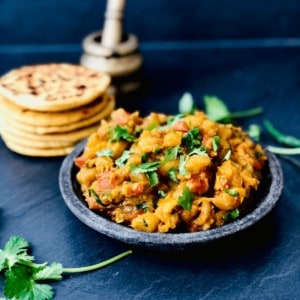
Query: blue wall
{"points": [[66, 21]]}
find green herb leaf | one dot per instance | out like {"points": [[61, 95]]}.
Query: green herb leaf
{"points": [[142, 206], [280, 137], [186, 103], [52, 272], [145, 167], [171, 154], [215, 108], [118, 133], [231, 215], [227, 155], [186, 199], [192, 139], [122, 160], [254, 131], [14, 250], [198, 151], [173, 174], [92, 193], [152, 126], [153, 178], [216, 143], [161, 193], [182, 169], [23, 276], [232, 192], [105, 152]]}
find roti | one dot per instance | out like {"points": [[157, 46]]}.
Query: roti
{"points": [[41, 130], [53, 87], [37, 152], [44, 119]]}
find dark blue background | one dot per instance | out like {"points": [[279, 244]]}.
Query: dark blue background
{"points": [[247, 53]]}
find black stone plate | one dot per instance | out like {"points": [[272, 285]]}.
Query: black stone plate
{"points": [[266, 198]]}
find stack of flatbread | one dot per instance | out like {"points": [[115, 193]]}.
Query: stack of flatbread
{"points": [[47, 109]]}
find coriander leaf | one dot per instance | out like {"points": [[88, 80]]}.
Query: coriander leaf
{"points": [[186, 199], [198, 151], [122, 160], [182, 169], [92, 193], [161, 193], [231, 215], [192, 139], [118, 133], [153, 178], [54, 272], [216, 143], [280, 136], [105, 152], [144, 157], [171, 154], [186, 103], [173, 174], [142, 206], [15, 250], [254, 131], [227, 155], [232, 192], [152, 126], [145, 167], [215, 108]]}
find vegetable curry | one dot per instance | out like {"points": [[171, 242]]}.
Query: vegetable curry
{"points": [[161, 173]]}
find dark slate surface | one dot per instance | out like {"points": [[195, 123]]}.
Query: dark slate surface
{"points": [[262, 262]]}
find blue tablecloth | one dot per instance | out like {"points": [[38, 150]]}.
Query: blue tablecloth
{"points": [[262, 262]]}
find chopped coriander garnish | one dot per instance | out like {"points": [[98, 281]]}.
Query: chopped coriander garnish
{"points": [[216, 143], [152, 126], [145, 167], [105, 152], [232, 192], [182, 169], [173, 174], [192, 139], [231, 215], [153, 178], [186, 199], [227, 155], [93, 193], [161, 193], [198, 151], [118, 133], [186, 103], [24, 278], [142, 206], [122, 160], [144, 157], [171, 154]]}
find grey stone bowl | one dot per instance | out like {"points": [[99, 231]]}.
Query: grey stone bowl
{"points": [[266, 198]]}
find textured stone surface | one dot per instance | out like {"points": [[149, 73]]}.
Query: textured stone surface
{"points": [[260, 262]]}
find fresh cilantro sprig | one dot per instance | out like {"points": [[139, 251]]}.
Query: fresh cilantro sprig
{"points": [[118, 133], [186, 104], [192, 139], [231, 215], [25, 279], [217, 110], [186, 199]]}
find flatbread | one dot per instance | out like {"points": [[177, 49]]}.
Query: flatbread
{"points": [[53, 87], [35, 118], [68, 137], [37, 152], [40, 130]]}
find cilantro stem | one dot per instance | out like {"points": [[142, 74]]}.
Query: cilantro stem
{"points": [[97, 266], [283, 150], [246, 113]]}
